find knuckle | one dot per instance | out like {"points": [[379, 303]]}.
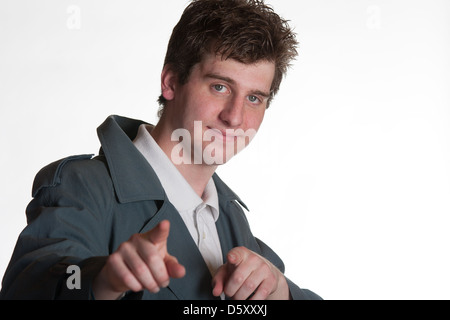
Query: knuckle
{"points": [[265, 292], [237, 278], [135, 238], [153, 288], [254, 259], [130, 281], [114, 258], [163, 282], [249, 285], [274, 277], [266, 269], [124, 246], [273, 281], [228, 292], [140, 269], [152, 258]]}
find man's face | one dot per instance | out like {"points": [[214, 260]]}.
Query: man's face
{"points": [[222, 103]]}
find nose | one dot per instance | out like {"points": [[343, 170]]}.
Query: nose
{"points": [[232, 114]]}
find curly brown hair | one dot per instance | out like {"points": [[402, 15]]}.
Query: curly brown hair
{"points": [[244, 30]]}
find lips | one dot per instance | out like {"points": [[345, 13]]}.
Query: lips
{"points": [[223, 134]]}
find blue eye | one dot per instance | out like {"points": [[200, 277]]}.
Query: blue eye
{"points": [[253, 99], [219, 87]]}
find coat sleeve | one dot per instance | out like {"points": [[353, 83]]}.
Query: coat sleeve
{"points": [[66, 225]]}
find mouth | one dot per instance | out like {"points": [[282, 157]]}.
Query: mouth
{"points": [[224, 135]]}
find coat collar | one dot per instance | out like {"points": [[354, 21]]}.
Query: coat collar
{"points": [[133, 178]]}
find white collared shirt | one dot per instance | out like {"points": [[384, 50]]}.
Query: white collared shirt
{"points": [[199, 214]]}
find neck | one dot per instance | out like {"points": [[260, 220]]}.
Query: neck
{"points": [[197, 175]]}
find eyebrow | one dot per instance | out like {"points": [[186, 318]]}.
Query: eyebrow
{"points": [[231, 81]]}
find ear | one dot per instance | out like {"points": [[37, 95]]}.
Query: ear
{"points": [[168, 82]]}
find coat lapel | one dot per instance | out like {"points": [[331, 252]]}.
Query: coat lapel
{"points": [[226, 238], [232, 226]]}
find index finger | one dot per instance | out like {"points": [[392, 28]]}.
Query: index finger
{"points": [[236, 255], [158, 234]]}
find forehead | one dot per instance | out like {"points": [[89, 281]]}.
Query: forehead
{"points": [[257, 76]]}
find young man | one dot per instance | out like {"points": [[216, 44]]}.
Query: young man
{"points": [[148, 218]]}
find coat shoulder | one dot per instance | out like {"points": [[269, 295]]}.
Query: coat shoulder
{"points": [[79, 165]]}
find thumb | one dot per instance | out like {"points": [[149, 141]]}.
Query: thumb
{"points": [[174, 268], [159, 233], [219, 280]]}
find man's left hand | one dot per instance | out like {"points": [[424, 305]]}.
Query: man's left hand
{"points": [[247, 275]]}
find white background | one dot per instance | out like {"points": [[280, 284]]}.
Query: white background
{"points": [[348, 179]]}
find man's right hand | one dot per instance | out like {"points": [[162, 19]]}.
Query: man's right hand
{"points": [[140, 263]]}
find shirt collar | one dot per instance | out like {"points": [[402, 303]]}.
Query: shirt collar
{"points": [[178, 190]]}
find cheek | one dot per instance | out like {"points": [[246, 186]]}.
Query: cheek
{"points": [[254, 119], [202, 108]]}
